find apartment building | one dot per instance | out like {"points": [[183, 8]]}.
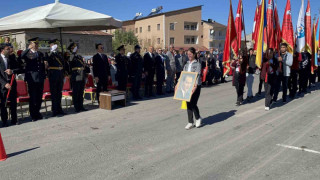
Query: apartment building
{"points": [[214, 34]]}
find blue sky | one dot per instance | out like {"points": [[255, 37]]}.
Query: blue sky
{"points": [[217, 10]]}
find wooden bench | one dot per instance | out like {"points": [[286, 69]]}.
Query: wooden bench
{"points": [[109, 98]]}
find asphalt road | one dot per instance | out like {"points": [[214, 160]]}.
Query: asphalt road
{"points": [[147, 140]]}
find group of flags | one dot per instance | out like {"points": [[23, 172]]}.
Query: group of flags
{"points": [[267, 32]]}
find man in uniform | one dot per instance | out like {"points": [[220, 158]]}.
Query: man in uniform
{"points": [[78, 76], [34, 76], [8, 67], [149, 71], [122, 64], [101, 70], [137, 70], [56, 76]]}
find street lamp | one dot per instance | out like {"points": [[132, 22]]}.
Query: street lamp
{"points": [[174, 23]]}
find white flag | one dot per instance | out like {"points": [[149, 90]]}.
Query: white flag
{"points": [[301, 36]]}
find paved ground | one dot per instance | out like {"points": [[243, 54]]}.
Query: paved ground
{"points": [[147, 140]]}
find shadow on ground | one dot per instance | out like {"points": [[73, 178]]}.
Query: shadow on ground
{"points": [[218, 118]]}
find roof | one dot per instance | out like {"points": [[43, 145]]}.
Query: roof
{"points": [[214, 23], [164, 13], [99, 33]]}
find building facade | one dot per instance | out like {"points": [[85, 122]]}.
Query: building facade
{"points": [[214, 34], [183, 28]]}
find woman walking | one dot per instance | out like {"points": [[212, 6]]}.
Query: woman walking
{"points": [[193, 65], [239, 66]]}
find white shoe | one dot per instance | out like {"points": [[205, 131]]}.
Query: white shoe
{"points": [[198, 122], [267, 108], [189, 126]]}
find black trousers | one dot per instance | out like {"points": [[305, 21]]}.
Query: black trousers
{"points": [[122, 83], [312, 78], [281, 80], [221, 69], [269, 90], [318, 74], [293, 83], [77, 94], [178, 74], [136, 85], [149, 84], [13, 104], [239, 89], [35, 93], [101, 87], [56, 86], [160, 79], [192, 107], [303, 80]]}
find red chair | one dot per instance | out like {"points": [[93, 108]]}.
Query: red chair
{"points": [[90, 88], [22, 94], [46, 93], [66, 91], [111, 86]]}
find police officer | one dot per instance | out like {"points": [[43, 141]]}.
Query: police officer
{"points": [[122, 63], [34, 76], [56, 76], [78, 75], [137, 69]]}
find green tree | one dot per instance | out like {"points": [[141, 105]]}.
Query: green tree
{"points": [[126, 38]]}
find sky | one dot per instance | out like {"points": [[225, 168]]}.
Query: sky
{"points": [[217, 10]]}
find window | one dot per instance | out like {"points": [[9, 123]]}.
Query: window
{"points": [[149, 28], [220, 46], [158, 27], [158, 41], [193, 26], [171, 40], [140, 29], [190, 40], [136, 30], [172, 26], [220, 33]]}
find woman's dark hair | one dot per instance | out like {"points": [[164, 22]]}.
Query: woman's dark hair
{"points": [[193, 51]]}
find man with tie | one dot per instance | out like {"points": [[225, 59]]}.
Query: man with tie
{"points": [[8, 67], [149, 71], [160, 72], [56, 72], [34, 76], [101, 70]]}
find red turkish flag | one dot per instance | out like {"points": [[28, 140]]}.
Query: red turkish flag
{"points": [[308, 32], [287, 28]]}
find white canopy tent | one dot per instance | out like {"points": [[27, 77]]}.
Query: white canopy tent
{"points": [[58, 17]]}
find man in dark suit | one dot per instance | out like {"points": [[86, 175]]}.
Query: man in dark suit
{"points": [[160, 72], [122, 64], [136, 70], [149, 71], [56, 72], [8, 67], [78, 76], [101, 70], [34, 76]]}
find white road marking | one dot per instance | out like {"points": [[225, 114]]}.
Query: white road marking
{"points": [[299, 148]]}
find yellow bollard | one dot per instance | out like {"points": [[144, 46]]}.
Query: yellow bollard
{"points": [[184, 105]]}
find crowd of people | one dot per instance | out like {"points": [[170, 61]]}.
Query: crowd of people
{"points": [[279, 69], [155, 67]]}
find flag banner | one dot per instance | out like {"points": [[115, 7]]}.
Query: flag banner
{"points": [[308, 32], [317, 30], [236, 45], [257, 29], [231, 36], [262, 24], [287, 28], [270, 26], [254, 24], [301, 38], [278, 33]]}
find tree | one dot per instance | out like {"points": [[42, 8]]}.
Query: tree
{"points": [[126, 38]]}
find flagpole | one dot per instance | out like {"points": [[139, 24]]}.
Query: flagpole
{"points": [[245, 36]]}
